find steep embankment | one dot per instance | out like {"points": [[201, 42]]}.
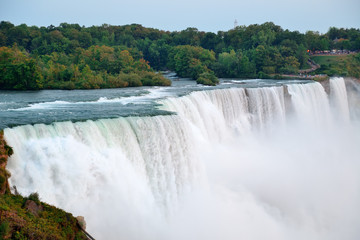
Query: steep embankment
{"points": [[27, 217], [5, 152]]}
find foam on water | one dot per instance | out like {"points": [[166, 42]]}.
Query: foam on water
{"points": [[231, 164], [150, 95]]}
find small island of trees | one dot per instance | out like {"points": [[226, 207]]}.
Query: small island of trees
{"points": [[73, 57]]}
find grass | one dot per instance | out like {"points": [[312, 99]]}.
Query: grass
{"points": [[306, 66], [339, 65], [329, 59]]}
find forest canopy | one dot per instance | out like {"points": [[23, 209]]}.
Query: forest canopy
{"points": [[71, 56]]}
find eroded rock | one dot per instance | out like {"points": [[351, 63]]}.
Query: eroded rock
{"points": [[32, 207]]}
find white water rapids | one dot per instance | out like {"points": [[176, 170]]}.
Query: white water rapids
{"points": [[260, 163]]}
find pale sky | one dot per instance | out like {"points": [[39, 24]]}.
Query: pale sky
{"points": [[176, 15]]}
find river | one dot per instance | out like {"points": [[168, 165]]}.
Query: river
{"points": [[248, 159]]}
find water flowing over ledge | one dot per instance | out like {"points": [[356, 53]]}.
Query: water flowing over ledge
{"points": [[233, 163]]}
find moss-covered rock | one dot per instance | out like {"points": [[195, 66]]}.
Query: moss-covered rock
{"points": [[22, 218]]}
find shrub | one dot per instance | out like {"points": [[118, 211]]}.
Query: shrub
{"points": [[34, 197], [9, 150], [133, 79], [154, 79], [2, 179], [4, 174], [4, 229], [207, 78], [2, 160], [116, 82], [263, 75]]}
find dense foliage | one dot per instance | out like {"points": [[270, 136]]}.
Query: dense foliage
{"points": [[17, 70], [71, 56], [17, 222]]}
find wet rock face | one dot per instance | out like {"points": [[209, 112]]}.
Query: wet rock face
{"points": [[326, 85], [81, 221], [32, 207]]}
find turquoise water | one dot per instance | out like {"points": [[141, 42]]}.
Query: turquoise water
{"points": [[48, 106]]}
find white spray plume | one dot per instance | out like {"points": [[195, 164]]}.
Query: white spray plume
{"points": [[233, 164]]}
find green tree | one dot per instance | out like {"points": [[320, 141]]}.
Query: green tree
{"points": [[187, 60], [207, 78], [18, 71], [229, 64]]}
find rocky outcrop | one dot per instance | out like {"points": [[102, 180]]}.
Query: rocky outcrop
{"points": [[81, 221], [326, 85], [5, 152], [27, 217], [23, 218], [33, 207]]}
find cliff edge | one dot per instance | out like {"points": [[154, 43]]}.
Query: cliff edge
{"points": [[28, 217], [5, 152]]}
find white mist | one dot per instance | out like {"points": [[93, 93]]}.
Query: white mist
{"points": [[232, 164]]}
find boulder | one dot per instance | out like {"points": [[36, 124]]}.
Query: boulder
{"points": [[32, 207], [81, 221]]}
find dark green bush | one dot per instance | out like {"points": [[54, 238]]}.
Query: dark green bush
{"points": [[34, 197], [207, 78], [9, 150]]}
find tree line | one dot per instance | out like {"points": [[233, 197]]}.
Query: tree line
{"points": [[72, 56]]}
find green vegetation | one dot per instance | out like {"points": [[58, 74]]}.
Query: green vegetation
{"points": [[18, 222], [193, 62], [96, 67], [207, 78], [339, 65], [27, 217], [18, 71], [5, 152], [329, 59], [70, 56], [4, 229]]}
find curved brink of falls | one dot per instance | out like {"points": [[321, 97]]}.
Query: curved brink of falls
{"points": [[260, 163]]}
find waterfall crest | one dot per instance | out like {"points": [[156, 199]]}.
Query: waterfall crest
{"points": [[195, 173]]}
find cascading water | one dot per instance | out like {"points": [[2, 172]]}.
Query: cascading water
{"points": [[212, 171], [353, 89], [339, 100], [310, 103], [266, 105], [120, 163], [215, 114]]}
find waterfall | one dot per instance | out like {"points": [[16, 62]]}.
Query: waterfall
{"points": [[353, 90], [266, 105], [141, 164], [213, 113], [210, 171], [310, 103], [339, 99]]}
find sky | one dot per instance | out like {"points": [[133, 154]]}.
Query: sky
{"points": [[177, 15]]}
